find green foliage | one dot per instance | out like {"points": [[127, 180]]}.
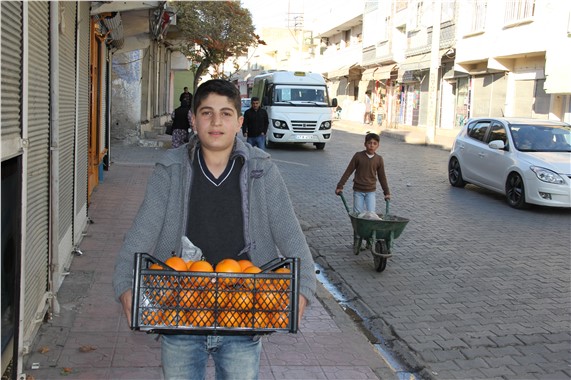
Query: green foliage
{"points": [[213, 31]]}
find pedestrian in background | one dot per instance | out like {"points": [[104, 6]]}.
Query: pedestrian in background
{"points": [[255, 125], [186, 95], [230, 200], [368, 167], [367, 119], [180, 124]]}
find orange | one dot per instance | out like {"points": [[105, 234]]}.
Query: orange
{"points": [[252, 269], [280, 320], [201, 318], [189, 264], [243, 300], [223, 299], [271, 299], [250, 283], [155, 266], [262, 320], [176, 263], [234, 319], [152, 317], [282, 284], [189, 298], [228, 266], [201, 266], [174, 317], [245, 264]]}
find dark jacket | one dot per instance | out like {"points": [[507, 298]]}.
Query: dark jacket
{"points": [[180, 120], [255, 122]]}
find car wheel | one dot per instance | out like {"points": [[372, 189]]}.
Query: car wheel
{"points": [[320, 146], [455, 173], [515, 191], [269, 144]]}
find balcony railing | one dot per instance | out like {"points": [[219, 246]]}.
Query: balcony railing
{"points": [[517, 10]]}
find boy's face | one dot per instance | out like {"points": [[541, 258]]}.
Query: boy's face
{"points": [[371, 146], [216, 123]]}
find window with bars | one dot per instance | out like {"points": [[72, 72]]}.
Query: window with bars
{"points": [[517, 10], [478, 15]]}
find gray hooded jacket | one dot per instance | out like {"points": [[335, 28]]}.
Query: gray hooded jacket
{"points": [[271, 228]]}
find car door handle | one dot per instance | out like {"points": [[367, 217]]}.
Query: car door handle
{"points": [[482, 154]]}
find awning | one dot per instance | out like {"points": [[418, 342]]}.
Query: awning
{"points": [[384, 72], [415, 63], [369, 74], [341, 71]]}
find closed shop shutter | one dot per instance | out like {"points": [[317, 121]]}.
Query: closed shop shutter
{"points": [[489, 95], [82, 133], [103, 92], [11, 78], [523, 98], [38, 161], [66, 132]]}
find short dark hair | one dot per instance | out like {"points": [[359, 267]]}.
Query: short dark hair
{"points": [[217, 86], [372, 136], [255, 99]]}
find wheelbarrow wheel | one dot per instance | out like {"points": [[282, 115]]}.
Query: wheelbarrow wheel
{"points": [[379, 261]]}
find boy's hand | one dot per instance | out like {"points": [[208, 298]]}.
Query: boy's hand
{"points": [[126, 301], [387, 197], [338, 191]]}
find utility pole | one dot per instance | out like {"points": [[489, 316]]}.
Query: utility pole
{"points": [[434, 73]]}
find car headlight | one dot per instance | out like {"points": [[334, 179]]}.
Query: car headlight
{"points": [[325, 125], [547, 175], [280, 124]]}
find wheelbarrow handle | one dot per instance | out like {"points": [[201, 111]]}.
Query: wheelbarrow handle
{"points": [[344, 202], [387, 202]]}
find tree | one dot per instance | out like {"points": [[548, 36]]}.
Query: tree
{"points": [[213, 31]]}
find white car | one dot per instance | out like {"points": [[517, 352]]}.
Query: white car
{"points": [[527, 160]]}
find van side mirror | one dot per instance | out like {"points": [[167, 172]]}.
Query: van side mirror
{"points": [[334, 102]]}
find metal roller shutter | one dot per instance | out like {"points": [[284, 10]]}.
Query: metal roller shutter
{"points": [[80, 217], [37, 171], [11, 78], [489, 95], [103, 93], [66, 132]]}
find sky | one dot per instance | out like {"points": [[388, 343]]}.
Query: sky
{"points": [[272, 13]]}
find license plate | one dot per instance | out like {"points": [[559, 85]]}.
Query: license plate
{"points": [[304, 137]]}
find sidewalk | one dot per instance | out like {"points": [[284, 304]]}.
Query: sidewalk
{"points": [[90, 339], [443, 138]]}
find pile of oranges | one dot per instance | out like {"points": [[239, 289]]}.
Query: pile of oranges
{"points": [[234, 293]]}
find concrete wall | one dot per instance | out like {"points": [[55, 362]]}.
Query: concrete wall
{"points": [[126, 75]]}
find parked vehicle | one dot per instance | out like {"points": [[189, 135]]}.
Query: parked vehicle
{"points": [[298, 107], [527, 160], [246, 104]]}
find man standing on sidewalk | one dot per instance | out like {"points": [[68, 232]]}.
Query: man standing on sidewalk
{"points": [[255, 125]]}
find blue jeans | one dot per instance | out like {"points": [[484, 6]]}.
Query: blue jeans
{"points": [[235, 356], [364, 201], [259, 141]]}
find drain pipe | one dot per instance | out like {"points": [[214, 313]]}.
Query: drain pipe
{"points": [[54, 151]]}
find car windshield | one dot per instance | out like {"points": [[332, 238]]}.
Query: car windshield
{"points": [[300, 95], [541, 138]]}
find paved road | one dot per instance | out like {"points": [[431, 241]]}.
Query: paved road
{"points": [[475, 289]]}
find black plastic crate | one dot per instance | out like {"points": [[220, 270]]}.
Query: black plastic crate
{"points": [[174, 302]]}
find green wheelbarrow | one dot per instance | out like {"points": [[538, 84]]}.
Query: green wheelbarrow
{"points": [[379, 235]]}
